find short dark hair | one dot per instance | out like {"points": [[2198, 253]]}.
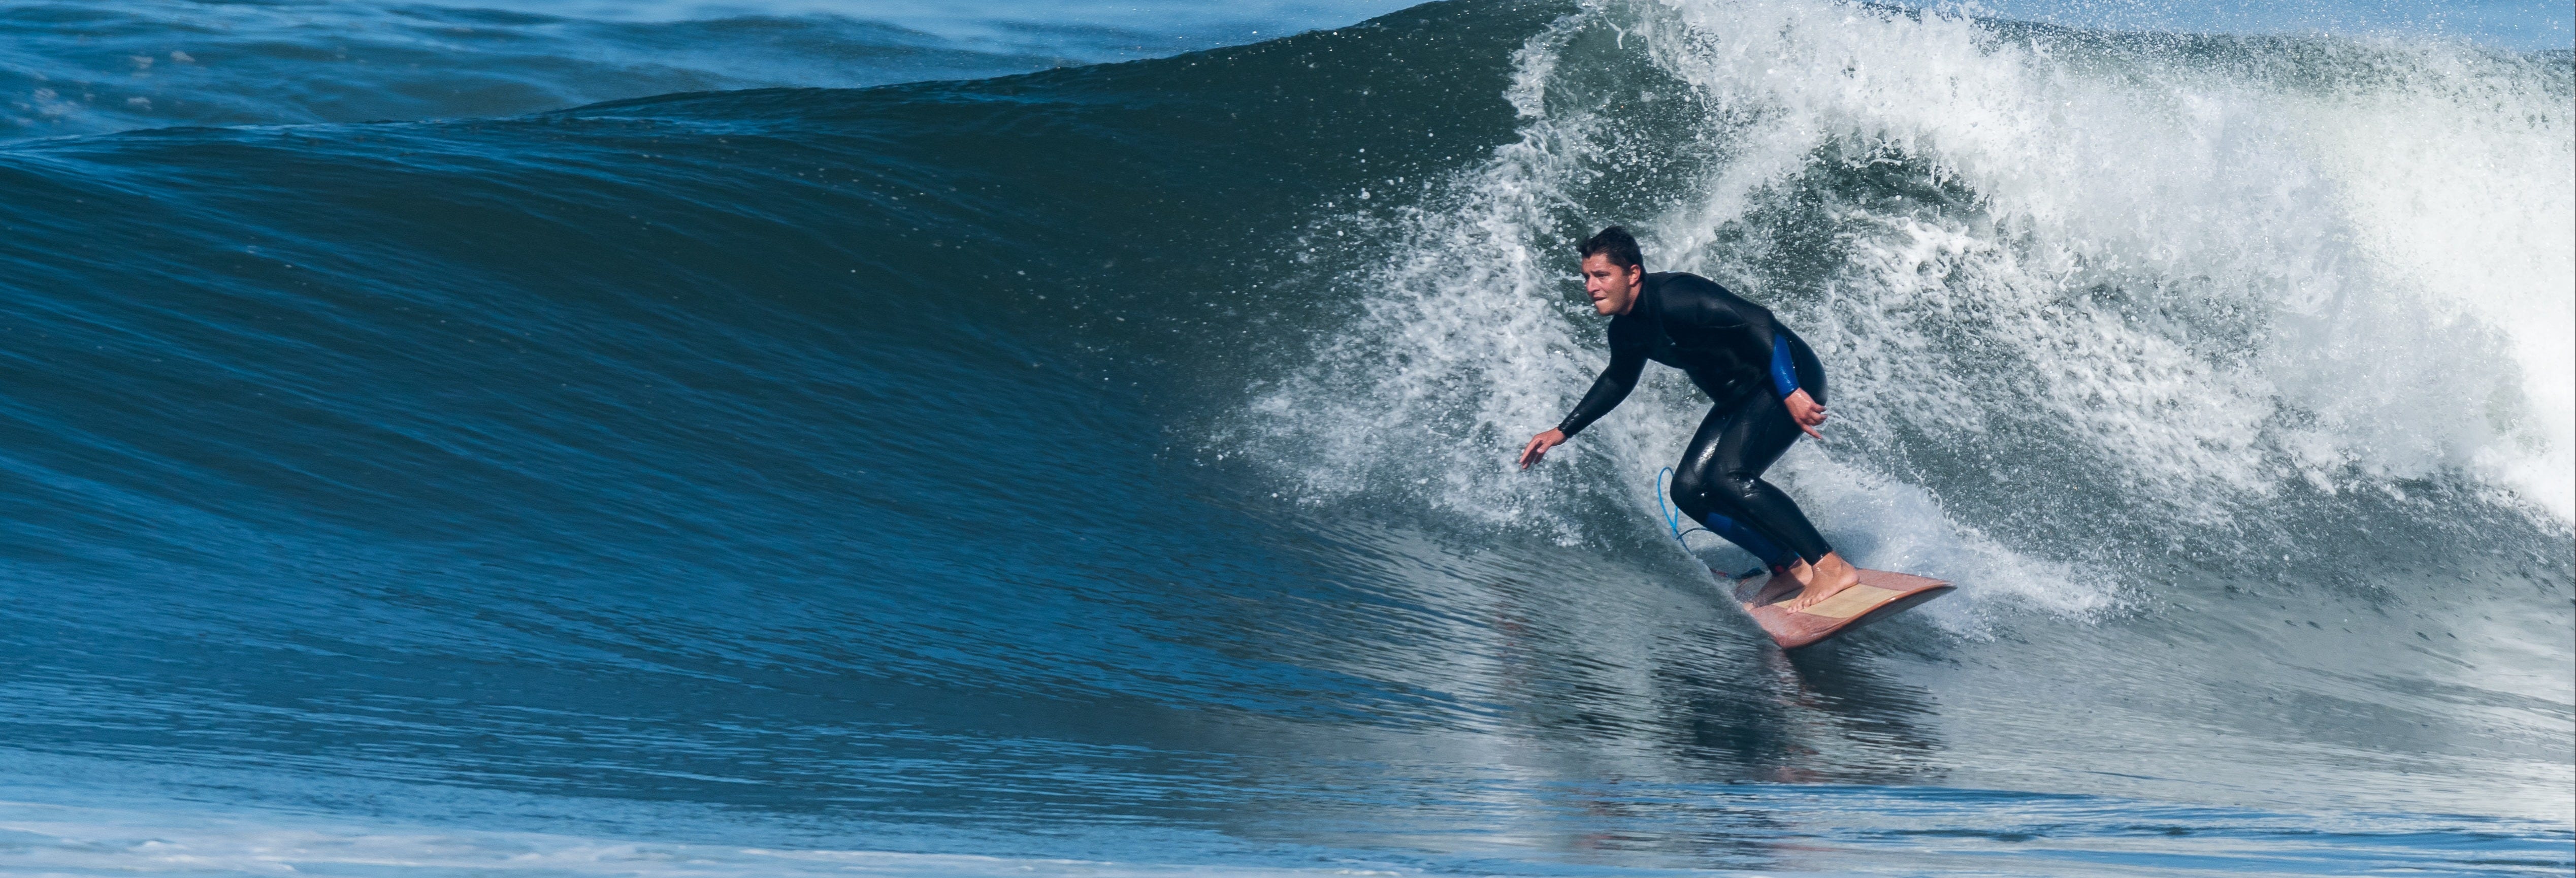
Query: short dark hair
{"points": [[1615, 243]]}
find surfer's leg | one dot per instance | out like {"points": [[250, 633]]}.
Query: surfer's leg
{"points": [[1748, 444], [1692, 494], [1735, 532]]}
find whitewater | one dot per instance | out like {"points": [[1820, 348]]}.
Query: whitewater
{"points": [[572, 440]]}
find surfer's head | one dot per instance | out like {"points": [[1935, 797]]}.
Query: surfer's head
{"points": [[1612, 269]]}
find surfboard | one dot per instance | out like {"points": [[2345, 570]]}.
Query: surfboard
{"points": [[1879, 595]]}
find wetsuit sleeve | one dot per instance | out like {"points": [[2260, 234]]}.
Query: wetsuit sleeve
{"points": [[1784, 369], [1627, 363]]}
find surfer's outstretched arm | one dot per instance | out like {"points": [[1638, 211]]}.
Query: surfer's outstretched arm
{"points": [[1627, 363]]}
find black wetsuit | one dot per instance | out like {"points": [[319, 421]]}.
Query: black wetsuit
{"points": [[1747, 362]]}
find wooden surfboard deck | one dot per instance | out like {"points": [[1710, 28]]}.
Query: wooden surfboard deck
{"points": [[1879, 595]]}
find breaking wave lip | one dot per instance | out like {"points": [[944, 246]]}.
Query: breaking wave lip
{"points": [[2075, 287]]}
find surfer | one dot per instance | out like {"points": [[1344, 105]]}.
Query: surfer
{"points": [[1768, 388]]}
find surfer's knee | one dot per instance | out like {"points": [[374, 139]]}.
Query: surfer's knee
{"points": [[1689, 492], [1739, 486]]}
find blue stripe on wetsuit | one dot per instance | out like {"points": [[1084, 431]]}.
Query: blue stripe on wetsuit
{"points": [[1735, 532], [1784, 372]]}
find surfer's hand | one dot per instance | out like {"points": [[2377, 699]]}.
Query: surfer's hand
{"points": [[1804, 410], [1538, 446]]}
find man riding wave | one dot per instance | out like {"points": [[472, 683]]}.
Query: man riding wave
{"points": [[1767, 386]]}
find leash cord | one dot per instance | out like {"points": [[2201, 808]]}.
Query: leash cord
{"points": [[1672, 516]]}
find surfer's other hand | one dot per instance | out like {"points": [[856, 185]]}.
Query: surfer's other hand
{"points": [[1538, 446], [1804, 410]]}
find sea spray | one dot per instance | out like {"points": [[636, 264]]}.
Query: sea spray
{"points": [[949, 468], [2084, 297]]}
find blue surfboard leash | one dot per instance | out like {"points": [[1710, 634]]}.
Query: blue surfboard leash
{"points": [[1673, 520], [1672, 516]]}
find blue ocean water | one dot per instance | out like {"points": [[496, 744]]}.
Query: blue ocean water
{"points": [[572, 438]]}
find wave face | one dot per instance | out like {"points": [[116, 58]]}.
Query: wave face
{"points": [[1107, 468]]}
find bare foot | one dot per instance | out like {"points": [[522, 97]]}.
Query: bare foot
{"points": [[1832, 575], [1805, 575], [1785, 583], [1779, 587]]}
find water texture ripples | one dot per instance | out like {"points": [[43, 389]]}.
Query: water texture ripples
{"points": [[1104, 469]]}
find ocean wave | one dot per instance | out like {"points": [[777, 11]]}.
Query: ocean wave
{"points": [[1130, 443]]}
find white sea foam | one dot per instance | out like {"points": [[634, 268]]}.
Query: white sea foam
{"points": [[2200, 278], [2391, 222], [52, 840]]}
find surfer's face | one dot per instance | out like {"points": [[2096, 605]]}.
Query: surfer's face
{"points": [[1613, 288]]}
